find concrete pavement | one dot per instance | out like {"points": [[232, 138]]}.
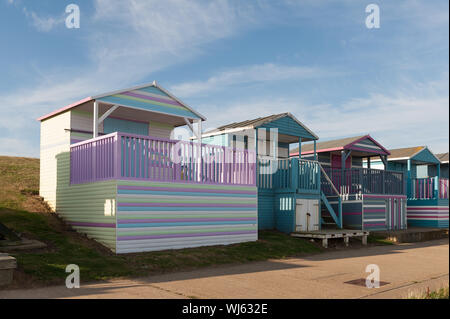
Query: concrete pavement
{"points": [[406, 268]]}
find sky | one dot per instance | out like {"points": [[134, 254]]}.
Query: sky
{"points": [[235, 60]]}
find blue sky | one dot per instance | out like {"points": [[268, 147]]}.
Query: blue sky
{"points": [[235, 60]]}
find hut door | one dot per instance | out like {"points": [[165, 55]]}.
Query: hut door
{"points": [[336, 166], [337, 163], [306, 215]]}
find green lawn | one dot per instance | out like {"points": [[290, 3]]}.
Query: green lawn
{"points": [[437, 294], [22, 211]]}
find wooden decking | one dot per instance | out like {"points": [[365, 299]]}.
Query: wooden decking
{"points": [[326, 234]]}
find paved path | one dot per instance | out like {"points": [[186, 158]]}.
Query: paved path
{"points": [[407, 267]]}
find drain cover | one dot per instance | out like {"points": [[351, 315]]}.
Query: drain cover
{"points": [[362, 282]]}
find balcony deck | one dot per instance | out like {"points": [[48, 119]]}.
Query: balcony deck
{"points": [[428, 188], [146, 158], [304, 176]]}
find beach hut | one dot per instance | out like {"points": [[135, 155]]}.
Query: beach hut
{"points": [[289, 196], [432, 169], [427, 189], [110, 169], [370, 198]]}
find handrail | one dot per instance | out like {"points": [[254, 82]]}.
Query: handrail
{"points": [[329, 180], [339, 222]]}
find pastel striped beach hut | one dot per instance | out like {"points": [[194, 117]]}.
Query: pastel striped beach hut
{"points": [[427, 189], [365, 198], [110, 168], [289, 196]]}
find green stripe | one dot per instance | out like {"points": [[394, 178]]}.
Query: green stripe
{"points": [[150, 102], [183, 216], [86, 135], [161, 125], [82, 113], [184, 201], [178, 231]]}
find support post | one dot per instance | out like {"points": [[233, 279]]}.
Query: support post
{"points": [[343, 184], [408, 180], [95, 121], [346, 240], [364, 240], [199, 151], [256, 159], [325, 242], [299, 148], [368, 162], [436, 184], [315, 150]]}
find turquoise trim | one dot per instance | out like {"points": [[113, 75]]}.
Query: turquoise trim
{"points": [[137, 208]]}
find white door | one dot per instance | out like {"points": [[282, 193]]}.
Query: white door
{"points": [[314, 211], [307, 215], [301, 209]]}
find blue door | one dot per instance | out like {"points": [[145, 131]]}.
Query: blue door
{"points": [[111, 125]]}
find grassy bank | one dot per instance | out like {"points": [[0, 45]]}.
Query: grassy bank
{"points": [[23, 211]]}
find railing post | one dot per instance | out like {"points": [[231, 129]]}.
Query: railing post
{"points": [[118, 156], [294, 174], [436, 187]]}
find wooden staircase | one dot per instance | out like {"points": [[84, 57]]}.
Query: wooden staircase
{"points": [[330, 219]]}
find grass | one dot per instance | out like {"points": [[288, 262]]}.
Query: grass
{"points": [[442, 293], [379, 240], [23, 211]]}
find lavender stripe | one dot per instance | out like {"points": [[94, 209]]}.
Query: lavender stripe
{"points": [[88, 224], [200, 190], [132, 221], [120, 238]]}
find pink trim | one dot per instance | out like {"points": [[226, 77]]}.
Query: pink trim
{"points": [[367, 150], [318, 151], [65, 108], [370, 138]]}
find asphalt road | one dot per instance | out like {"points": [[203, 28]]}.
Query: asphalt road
{"points": [[405, 268]]}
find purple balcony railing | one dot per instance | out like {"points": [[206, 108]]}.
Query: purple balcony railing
{"points": [[137, 157], [364, 181], [428, 188]]}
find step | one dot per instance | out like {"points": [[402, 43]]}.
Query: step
{"points": [[7, 266]]}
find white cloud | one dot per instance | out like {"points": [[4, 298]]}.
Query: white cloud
{"points": [[131, 39], [268, 72], [418, 115], [43, 24], [145, 36]]}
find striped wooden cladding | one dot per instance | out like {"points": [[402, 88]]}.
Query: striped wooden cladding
{"points": [[161, 215], [382, 212], [120, 155], [428, 213]]}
